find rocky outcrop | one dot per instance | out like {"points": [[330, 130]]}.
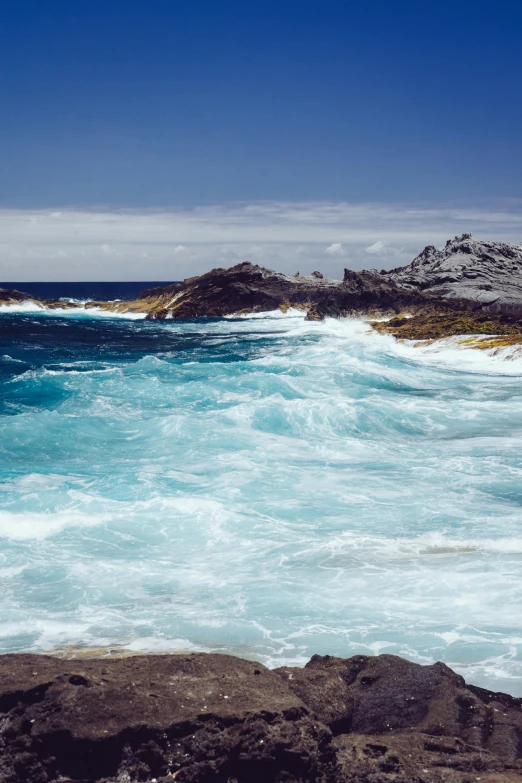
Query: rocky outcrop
{"points": [[243, 288], [486, 275], [437, 324], [12, 296], [247, 288], [366, 293], [200, 718], [466, 276]]}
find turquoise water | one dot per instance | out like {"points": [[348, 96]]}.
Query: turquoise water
{"points": [[262, 486]]}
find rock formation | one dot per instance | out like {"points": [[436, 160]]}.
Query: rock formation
{"points": [[200, 718], [483, 274], [467, 277], [11, 296], [243, 288]]}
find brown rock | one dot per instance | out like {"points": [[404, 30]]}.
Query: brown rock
{"points": [[12, 296], [198, 717], [202, 718]]}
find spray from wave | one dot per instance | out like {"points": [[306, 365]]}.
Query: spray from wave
{"points": [[262, 485]]}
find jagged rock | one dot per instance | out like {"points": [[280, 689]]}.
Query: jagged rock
{"points": [[12, 296], [200, 718], [365, 293], [242, 288], [466, 276], [483, 274]]}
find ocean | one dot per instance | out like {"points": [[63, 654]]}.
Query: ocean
{"points": [[85, 292], [263, 486]]}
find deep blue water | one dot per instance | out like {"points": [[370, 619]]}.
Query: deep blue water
{"points": [[264, 486], [99, 292]]}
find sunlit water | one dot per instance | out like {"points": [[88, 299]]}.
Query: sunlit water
{"points": [[262, 486]]}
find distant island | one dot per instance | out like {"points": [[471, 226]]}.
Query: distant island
{"points": [[470, 287]]}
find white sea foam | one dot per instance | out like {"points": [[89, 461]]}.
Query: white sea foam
{"points": [[22, 307], [22, 526], [7, 358], [270, 487], [72, 312]]}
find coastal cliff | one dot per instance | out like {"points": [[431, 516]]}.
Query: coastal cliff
{"points": [[469, 287], [486, 275], [204, 717]]}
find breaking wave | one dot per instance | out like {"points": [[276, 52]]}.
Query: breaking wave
{"points": [[259, 485]]}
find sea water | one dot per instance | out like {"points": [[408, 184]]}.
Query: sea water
{"points": [[263, 486]]}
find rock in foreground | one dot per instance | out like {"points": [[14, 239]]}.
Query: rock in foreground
{"points": [[202, 718]]}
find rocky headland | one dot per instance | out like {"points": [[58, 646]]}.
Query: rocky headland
{"points": [[205, 717], [486, 275], [470, 287], [13, 297]]}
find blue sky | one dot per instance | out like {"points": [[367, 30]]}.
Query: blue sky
{"points": [[180, 105]]}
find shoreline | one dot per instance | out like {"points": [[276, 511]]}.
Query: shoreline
{"points": [[470, 288], [495, 334]]}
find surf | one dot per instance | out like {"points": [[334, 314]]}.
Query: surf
{"points": [[262, 485]]}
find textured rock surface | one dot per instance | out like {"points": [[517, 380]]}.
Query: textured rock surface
{"points": [[242, 288], [217, 718], [437, 325], [467, 275], [250, 288], [485, 274], [11, 296]]}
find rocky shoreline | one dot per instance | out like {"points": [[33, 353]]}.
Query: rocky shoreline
{"points": [[467, 288], [207, 717]]}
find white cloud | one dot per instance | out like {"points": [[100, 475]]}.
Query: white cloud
{"points": [[336, 250], [256, 252], [376, 248], [88, 244]]}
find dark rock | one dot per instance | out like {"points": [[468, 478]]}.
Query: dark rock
{"points": [[202, 718], [12, 296], [430, 725], [212, 716], [242, 288], [466, 276]]}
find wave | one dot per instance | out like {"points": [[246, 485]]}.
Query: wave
{"points": [[29, 526], [261, 485], [22, 307], [452, 352], [69, 312], [434, 543]]}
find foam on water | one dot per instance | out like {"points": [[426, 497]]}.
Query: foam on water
{"points": [[259, 485], [68, 312]]}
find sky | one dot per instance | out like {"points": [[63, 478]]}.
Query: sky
{"points": [[155, 140]]}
